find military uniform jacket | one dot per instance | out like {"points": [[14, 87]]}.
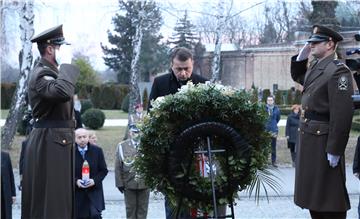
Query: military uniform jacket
{"points": [[327, 91], [48, 176], [124, 169]]}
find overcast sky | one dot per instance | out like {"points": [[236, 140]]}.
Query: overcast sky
{"points": [[86, 21]]}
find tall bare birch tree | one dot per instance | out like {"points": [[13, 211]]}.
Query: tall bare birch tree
{"points": [[26, 14]]}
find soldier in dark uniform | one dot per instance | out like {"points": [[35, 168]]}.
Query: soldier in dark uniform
{"points": [[48, 176], [324, 126]]}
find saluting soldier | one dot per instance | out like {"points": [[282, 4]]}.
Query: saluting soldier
{"points": [[48, 176], [324, 126], [136, 193]]}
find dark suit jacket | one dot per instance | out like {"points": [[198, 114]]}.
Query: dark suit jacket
{"points": [[7, 186], [168, 84], [89, 199]]}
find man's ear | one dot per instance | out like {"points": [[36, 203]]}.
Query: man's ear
{"points": [[50, 50]]}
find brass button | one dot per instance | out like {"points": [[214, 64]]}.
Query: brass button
{"points": [[302, 133], [306, 107], [305, 120], [298, 129], [318, 132], [64, 141]]}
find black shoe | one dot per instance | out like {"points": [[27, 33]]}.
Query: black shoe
{"points": [[274, 165]]}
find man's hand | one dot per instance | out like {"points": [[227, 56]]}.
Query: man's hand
{"points": [[356, 175], [80, 183], [333, 160], [304, 52], [121, 189]]}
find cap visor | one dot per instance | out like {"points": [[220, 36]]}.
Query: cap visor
{"points": [[315, 40]]}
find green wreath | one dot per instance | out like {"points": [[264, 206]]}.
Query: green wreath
{"points": [[167, 126]]}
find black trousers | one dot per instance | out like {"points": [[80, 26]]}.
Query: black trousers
{"points": [[327, 215]]}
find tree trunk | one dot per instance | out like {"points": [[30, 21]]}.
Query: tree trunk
{"points": [[220, 23], [25, 61], [134, 79]]}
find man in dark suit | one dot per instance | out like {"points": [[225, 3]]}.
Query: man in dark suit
{"points": [[180, 73], [324, 126], [89, 196], [8, 191], [48, 184]]}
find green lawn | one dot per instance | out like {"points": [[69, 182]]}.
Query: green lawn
{"points": [[109, 114]]}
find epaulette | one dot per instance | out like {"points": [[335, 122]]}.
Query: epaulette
{"points": [[338, 63]]}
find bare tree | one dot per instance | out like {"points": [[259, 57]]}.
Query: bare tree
{"points": [[25, 59]]}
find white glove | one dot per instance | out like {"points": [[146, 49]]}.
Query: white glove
{"points": [[333, 160], [64, 55], [304, 53]]}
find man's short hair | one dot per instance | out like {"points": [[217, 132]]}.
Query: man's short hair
{"points": [[181, 53], [42, 48]]}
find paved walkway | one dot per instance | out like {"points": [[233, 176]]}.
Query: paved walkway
{"points": [[124, 122], [277, 206]]}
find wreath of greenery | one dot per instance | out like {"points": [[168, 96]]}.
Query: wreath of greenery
{"points": [[166, 124]]}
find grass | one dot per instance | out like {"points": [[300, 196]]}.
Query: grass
{"points": [[108, 138], [109, 114]]}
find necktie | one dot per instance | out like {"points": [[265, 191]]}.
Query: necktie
{"points": [[82, 152]]}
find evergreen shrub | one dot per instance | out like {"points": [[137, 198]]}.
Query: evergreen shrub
{"points": [[93, 118]]}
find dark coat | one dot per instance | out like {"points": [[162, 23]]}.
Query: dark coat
{"points": [[168, 84], [327, 91], [274, 118], [7, 186], [48, 174], [356, 163], [93, 197], [292, 125]]}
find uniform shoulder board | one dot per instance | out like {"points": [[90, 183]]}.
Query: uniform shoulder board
{"points": [[48, 78], [338, 63]]}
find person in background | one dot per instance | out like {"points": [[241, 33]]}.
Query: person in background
{"points": [[325, 122], [77, 109], [356, 167], [8, 190], [271, 125], [136, 193], [92, 137], [291, 131], [48, 183], [89, 195]]}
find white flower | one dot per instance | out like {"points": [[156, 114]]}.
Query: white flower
{"points": [[157, 102]]}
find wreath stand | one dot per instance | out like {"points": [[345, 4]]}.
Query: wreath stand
{"points": [[192, 133], [209, 153]]}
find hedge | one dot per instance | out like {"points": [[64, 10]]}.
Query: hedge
{"points": [[7, 92], [93, 118]]}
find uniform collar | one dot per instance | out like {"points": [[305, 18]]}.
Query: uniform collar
{"points": [[325, 61], [46, 63]]}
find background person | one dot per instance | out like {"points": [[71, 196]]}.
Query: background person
{"points": [[48, 183], [271, 125], [89, 195], [136, 193], [8, 190], [291, 131], [324, 126], [92, 137], [356, 166]]}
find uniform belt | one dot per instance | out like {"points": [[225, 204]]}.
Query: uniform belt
{"points": [[54, 124], [312, 115]]}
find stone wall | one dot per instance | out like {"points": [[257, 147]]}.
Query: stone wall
{"points": [[265, 66]]}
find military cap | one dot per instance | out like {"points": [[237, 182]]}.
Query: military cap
{"points": [[53, 35], [133, 128], [321, 33]]}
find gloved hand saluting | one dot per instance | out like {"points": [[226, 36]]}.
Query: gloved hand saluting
{"points": [[304, 53], [333, 160]]}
